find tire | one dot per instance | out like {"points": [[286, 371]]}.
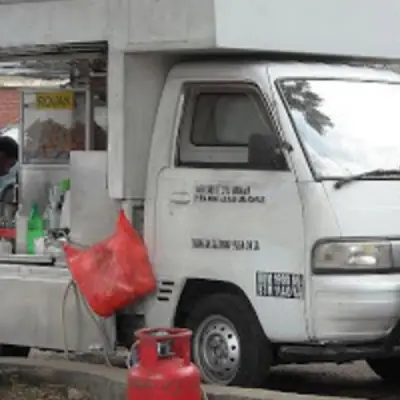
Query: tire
{"points": [[229, 346], [386, 368], [8, 350]]}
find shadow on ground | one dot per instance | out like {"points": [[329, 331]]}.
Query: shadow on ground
{"points": [[354, 381]]}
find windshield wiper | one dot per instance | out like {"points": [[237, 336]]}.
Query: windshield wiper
{"points": [[357, 177]]}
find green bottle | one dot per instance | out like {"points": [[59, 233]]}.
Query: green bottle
{"points": [[65, 185], [36, 228]]}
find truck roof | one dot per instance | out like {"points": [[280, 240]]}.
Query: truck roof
{"points": [[286, 69], [322, 70]]}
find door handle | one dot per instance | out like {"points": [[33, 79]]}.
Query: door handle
{"points": [[180, 198]]}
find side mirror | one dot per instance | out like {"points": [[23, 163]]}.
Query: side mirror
{"points": [[265, 152], [262, 150]]}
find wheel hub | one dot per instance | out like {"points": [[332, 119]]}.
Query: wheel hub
{"points": [[217, 349]]}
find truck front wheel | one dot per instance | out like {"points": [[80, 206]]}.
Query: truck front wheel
{"points": [[386, 368], [229, 345]]}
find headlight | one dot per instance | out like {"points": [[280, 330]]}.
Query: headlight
{"points": [[347, 256]]}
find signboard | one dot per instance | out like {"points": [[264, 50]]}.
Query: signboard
{"points": [[279, 284], [55, 100]]}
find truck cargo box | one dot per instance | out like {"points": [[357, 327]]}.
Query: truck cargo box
{"points": [[359, 28]]}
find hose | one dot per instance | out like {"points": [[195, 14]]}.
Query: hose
{"points": [[64, 327], [100, 327], [129, 360]]}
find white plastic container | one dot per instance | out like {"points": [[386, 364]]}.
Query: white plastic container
{"points": [[5, 247], [65, 219]]}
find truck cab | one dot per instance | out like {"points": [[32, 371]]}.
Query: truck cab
{"points": [[270, 192]]}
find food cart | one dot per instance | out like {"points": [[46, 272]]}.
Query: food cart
{"points": [[153, 51]]}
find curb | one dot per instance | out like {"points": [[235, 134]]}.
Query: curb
{"points": [[230, 393], [105, 383]]}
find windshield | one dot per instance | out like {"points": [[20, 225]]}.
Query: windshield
{"points": [[346, 127]]}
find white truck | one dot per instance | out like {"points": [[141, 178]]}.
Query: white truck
{"points": [[266, 190]]}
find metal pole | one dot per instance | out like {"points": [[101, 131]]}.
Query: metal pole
{"points": [[89, 121]]}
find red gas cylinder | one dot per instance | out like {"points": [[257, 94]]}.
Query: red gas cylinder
{"points": [[164, 377]]}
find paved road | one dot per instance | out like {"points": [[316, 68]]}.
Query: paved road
{"points": [[354, 380], [350, 380]]}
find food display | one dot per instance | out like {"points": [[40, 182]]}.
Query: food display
{"points": [[48, 140], [54, 124]]}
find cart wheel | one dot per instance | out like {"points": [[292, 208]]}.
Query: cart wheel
{"points": [[8, 350], [386, 368]]}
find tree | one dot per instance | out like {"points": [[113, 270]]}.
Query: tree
{"points": [[299, 95]]}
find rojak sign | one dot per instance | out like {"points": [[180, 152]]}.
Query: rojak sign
{"points": [[55, 100]]}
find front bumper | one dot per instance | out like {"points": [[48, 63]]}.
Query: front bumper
{"points": [[354, 309], [299, 354]]}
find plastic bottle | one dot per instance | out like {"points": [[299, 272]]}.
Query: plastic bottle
{"points": [[52, 215], [36, 230], [65, 219], [65, 185], [65, 204]]}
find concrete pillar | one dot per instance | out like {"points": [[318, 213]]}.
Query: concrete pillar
{"points": [[135, 84]]}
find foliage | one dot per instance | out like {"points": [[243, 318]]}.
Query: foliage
{"points": [[300, 96]]}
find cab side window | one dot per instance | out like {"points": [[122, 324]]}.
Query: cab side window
{"points": [[228, 129], [225, 120]]}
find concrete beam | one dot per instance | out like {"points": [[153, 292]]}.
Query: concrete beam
{"points": [[51, 22], [135, 84]]}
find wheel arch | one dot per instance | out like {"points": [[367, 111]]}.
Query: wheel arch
{"points": [[196, 289]]}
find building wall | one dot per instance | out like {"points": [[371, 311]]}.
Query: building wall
{"points": [[9, 107]]}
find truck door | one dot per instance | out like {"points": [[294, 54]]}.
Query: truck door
{"points": [[221, 218]]}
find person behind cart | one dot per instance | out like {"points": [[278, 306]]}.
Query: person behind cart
{"points": [[8, 164]]}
